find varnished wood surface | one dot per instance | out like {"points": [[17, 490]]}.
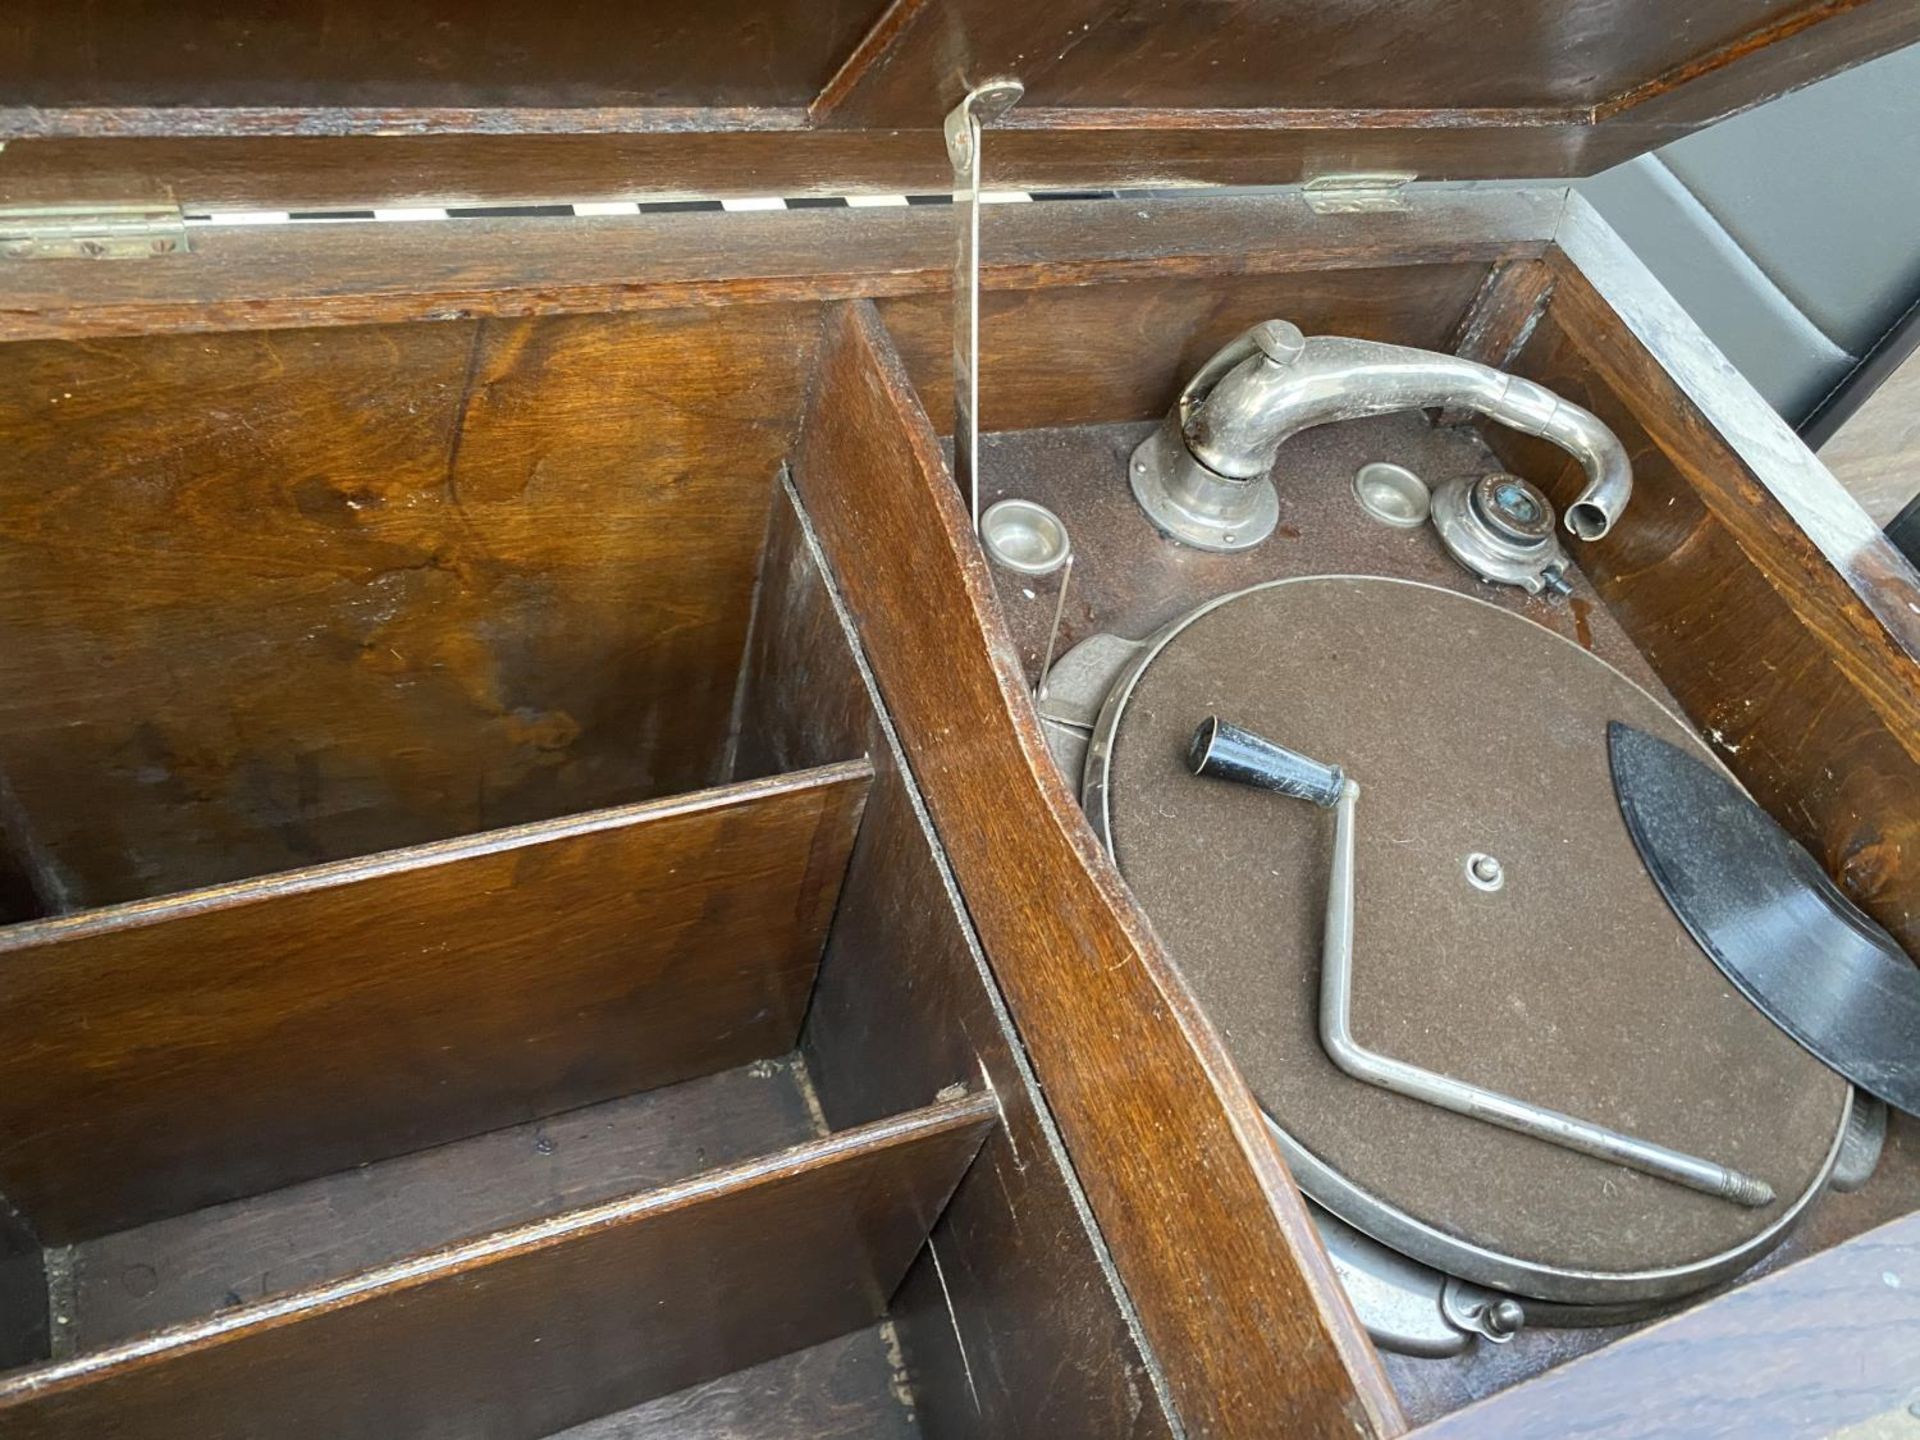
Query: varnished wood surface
{"points": [[1067, 355], [1795, 47], [878, 65], [1769, 605], [1816, 1349], [1501, 318], [305, 172], [248, 277], [442, 53], [1446, 89], [193, 1266], [1432, 1389], [1234, 1293], [281, 598], [530, 1330], [848, 1388], [1428, 55], [904, 1006], [1833, 536], [161, 1057]]}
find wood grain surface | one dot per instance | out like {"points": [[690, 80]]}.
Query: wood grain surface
{"points": [[1233, 1290], [161, 1057], [1822, 1348], [249, 277], [189, 1267], [847, 1388], [1501, 319], [533, 1329], [442, 53], [1767, 603], [1011, 1319], [1068, 355], [1145, 150], [1137, 95], [281, 598], [1424, 56]]}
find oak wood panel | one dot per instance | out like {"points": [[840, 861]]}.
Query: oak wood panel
{"points": [[848, 1388], [533, 1329], [253, 277], [284, 597], [30, 884], [1427, 55], [1824, 1347], [191, 1266], [1501, 319], [159, 1057], [922, 51], [747, 65], [1742, 645], [1074, 355], [307, 172], [477, 53], [1504, 313], [905, 1005], [1233, 1290], [1800, 45], [1769, 605], [1830, 538], [348, 104]]}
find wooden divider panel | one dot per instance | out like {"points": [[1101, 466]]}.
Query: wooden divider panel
{"points": [[284, 597], [1233, 1290], [529, 1330], [905, 1005], [163, 1056]]}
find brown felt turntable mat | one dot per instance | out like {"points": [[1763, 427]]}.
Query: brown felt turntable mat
{"points": [[1468, 729]]}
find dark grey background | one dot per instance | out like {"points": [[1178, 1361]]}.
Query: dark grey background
{"points": [[1791, 232]]}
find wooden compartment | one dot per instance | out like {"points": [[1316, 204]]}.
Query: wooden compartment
{"points": [[510, 1128], [276, 598], [1739, 574], [538, 895], [531, 1329]]}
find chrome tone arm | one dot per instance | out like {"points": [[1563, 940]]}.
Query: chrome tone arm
{"points": [[1200, 477]]}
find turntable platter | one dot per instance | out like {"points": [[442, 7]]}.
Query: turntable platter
{"points": [[1471, 731]]}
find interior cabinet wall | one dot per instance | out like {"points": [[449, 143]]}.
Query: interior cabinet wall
{"points": [[1073, 354], [282, 596], [1009, 1317]]}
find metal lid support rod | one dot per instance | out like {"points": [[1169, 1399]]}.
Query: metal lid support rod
{"points": [[983, 105]]}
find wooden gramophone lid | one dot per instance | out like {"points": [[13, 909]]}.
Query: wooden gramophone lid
{"points": [[1470, 730]]}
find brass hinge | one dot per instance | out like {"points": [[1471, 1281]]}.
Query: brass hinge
{"points": [[92, 232], [1358, 194]]}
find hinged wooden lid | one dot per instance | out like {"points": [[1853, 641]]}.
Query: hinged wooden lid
{"points": [[309, 105]]}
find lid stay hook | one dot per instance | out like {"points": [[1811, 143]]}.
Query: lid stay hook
{"points": [[983, 105]]}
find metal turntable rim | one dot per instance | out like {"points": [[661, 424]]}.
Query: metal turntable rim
{"points": [[1384, 1221]]}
